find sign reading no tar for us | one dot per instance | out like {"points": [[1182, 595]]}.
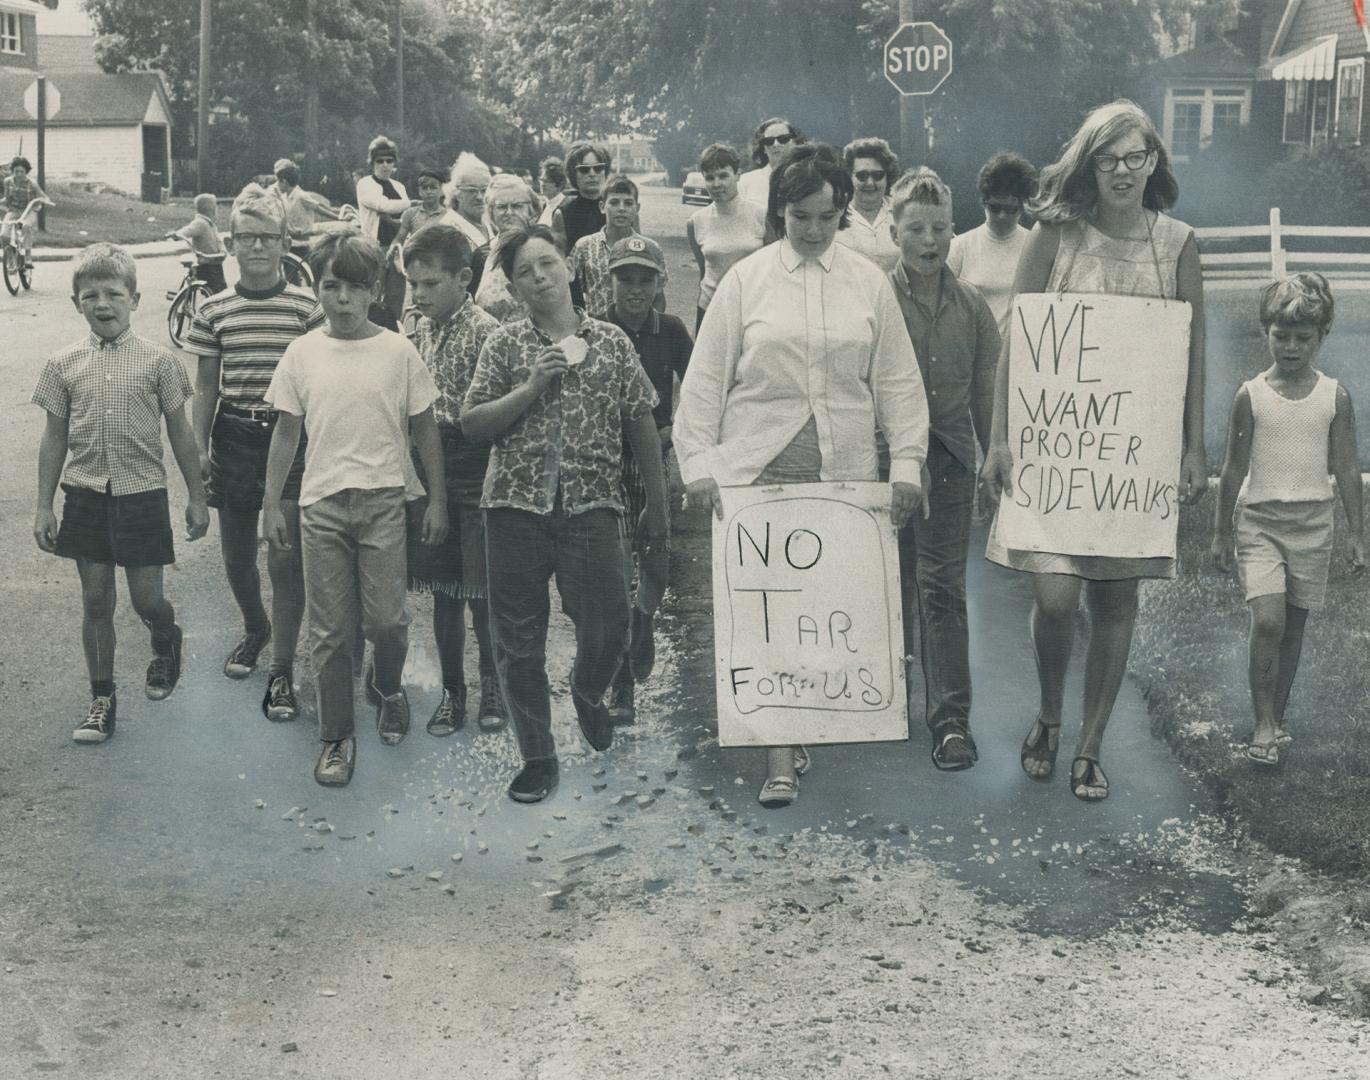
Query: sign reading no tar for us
{"points": [[1095, 418], [807, 621]]}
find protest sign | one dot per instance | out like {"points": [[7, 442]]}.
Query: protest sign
{"points": [[808, 630], [1095, 423]]}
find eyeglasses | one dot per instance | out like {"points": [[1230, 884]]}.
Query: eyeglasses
{"points": [[590, 170], [472, 188], [385, 161], [1004, 207], [869, 175], [773, 140], [250, 239], [509, 207], [1134, 160]]}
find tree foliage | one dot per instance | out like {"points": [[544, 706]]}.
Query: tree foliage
{"points": [[263, 61]]}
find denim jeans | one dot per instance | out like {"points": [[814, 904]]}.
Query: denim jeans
{"points": [[932, 570], [354, 560], [585, 554]]}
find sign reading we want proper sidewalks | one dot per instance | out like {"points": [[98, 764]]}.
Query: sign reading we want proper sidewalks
{"points": [[1095, 423], [807, 623]]}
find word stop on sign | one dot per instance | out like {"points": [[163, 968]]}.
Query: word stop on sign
{"points": [[807, 619]]}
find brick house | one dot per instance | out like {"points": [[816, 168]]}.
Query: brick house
{"points": [[1292, 69]]}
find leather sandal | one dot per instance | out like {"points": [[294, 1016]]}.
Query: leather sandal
{"points": [[953, 750], [1037, 747], [1090, 777]]}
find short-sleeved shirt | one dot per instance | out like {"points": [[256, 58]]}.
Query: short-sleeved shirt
{"points": [[571, 438], [590, 265], [958, 348], [356, 397], [113, 395], [416, 217], [249, 330], [451, 350], [19, 193], [663, 346], [203, 235]]}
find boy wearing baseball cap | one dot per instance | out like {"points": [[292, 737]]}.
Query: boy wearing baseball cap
{"points": [[637, 270]]}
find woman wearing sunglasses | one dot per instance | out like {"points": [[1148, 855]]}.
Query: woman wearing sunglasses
{"points": [[987, 256], [771, 144], [874, 169], [381, 199], [587, 169]]}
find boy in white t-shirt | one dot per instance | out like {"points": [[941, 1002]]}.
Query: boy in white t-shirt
{"points": [[987, 256], [364, 392]]}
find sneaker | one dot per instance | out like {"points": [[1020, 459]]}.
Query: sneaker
{"points": [[392, 719], [535, 781], [621, 709], [450, 715], [280, 702], [492, 714], [336, 762], [164, 670], [242, 661], [642, 646], [594, 720], [99, 722]]}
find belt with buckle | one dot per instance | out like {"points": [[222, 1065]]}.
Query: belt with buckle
{"points": [[261, 413]]}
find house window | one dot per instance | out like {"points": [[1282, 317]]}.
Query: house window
{"points": [[10, 39], [1350, 97], [1194, 114], [1320, 130]]}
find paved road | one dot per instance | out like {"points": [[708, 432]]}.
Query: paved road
{"points": [[158, 922]]}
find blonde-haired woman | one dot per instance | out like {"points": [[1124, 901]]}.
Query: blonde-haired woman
{"points": [[1101, 230], [509, 206], [470, 182]]}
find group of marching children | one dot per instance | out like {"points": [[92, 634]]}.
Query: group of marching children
{"points": [[482, 458], [474, 462]]}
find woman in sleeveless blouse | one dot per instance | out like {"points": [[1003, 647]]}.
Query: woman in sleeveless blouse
{"points": [[1101, 229]]}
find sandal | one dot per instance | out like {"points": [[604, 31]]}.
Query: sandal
{"points": [[1283, 738], [1091, 777], [1038, 747], [953, 750], [778, 792], [801, 761], [1264, 753]]}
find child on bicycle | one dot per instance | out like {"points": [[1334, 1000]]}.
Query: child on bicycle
{"points": [[202, 234], [1290, 427], [20, 191], [239, 336], [107, 397]]}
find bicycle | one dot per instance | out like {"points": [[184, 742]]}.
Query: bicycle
{"points": [[188, 296], [17, 268], [295, 264]]}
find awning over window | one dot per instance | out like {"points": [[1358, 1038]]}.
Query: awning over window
{"points": [[1315, 62]]}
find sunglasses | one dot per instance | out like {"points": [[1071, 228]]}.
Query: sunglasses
{"points": [[1109, 162], [772, 140], [864, 176], [591, 170]]}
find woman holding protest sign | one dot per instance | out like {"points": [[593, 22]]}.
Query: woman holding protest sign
{"points": [[1101, 230], [801, 355]]}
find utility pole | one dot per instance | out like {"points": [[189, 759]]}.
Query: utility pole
{"points": [[311, 97], [202, 126], [913, 113], [399, 64], [42, 134]]}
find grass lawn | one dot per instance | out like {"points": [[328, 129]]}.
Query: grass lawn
{"points": [[1189, 655], [84, 215]]}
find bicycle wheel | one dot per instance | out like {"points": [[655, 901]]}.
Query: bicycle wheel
{"points": [[183, 309], [13, 268], [297, 271], [26, 274]]}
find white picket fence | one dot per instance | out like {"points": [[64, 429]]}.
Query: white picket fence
{"points": [[1274, 260]]}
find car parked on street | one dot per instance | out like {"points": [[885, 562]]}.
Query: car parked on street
{"points": [[693, 190]]}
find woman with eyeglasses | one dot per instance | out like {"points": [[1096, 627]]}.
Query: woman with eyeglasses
{"points": [[508, 209], [801, 356], [772, 141], [1101, 230], [470, 180], [381, 199], [987, 256], [874, 169], [587, 168]]}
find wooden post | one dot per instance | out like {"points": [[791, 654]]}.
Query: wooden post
{"points": [[399, 64], [913, 113], [311, 99], [42, 119], [202, 125], [1277, 253]]}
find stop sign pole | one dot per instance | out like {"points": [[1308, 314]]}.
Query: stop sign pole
{"points": [[916, 60]]}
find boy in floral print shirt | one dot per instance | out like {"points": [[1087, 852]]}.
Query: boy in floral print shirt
{"points": [[558, 393]]}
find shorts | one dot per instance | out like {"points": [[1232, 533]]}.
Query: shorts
{"points": [[238, 446], [119, 530], [1285, 548], [456, 567], [212, 274]]}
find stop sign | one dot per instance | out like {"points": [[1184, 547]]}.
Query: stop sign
{"points": [[917, 58]]}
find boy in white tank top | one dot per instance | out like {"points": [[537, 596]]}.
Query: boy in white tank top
{"points": [[1290, 427]]}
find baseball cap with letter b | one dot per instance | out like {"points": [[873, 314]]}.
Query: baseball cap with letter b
{"points": [[637, 251]]}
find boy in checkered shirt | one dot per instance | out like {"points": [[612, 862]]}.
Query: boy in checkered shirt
{"points": [[106, 397]]}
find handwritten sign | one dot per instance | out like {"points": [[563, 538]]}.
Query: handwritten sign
{"points": [[807, 620], [1095, 420]]}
